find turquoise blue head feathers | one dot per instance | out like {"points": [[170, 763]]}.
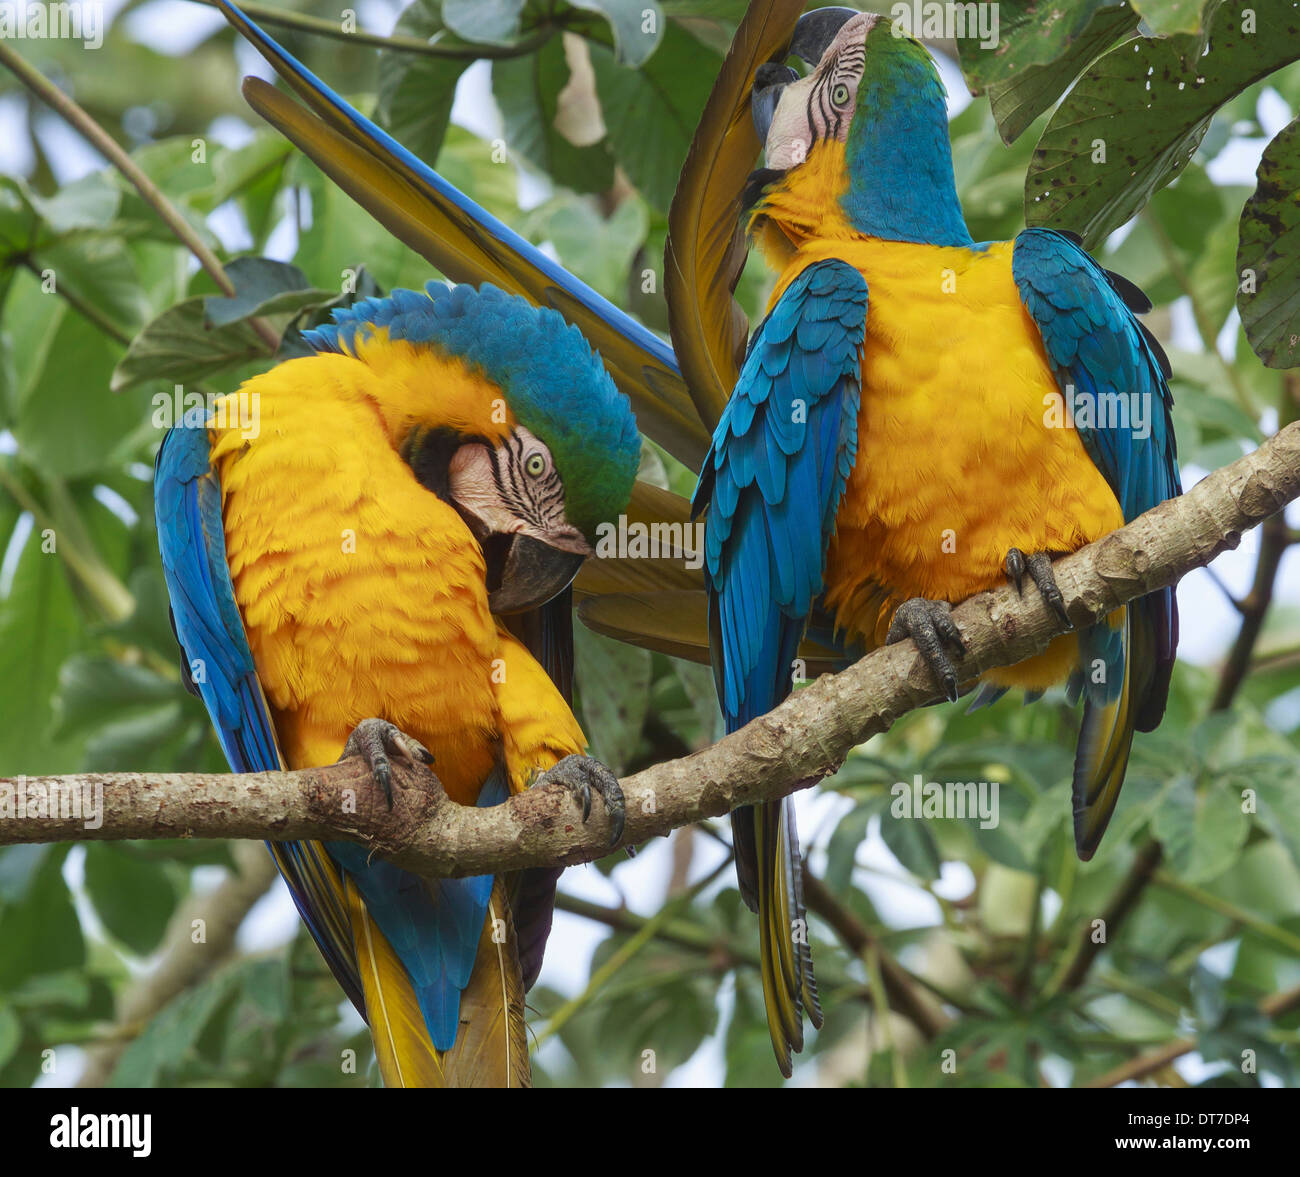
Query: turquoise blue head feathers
{"points": [[550, 378]]}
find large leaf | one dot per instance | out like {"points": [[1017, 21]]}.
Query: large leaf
{"points": [[179, 345], [613, 692], [651, 113], [1268, 255], [528, 89], [1029, 33], [39, 627], [133, 896], [416, 91], [638, 27], [40, 931], [1133, 121], [492, 22], [1020, 98]]}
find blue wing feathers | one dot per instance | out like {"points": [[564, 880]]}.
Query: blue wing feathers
{"points": [[1096, 346], [781, 456]]}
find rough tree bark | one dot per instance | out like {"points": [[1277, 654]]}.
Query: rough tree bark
{"points": [[804, 740]]}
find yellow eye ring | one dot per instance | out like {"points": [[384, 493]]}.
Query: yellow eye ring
{"points": [[534, 465], [840, 95]]}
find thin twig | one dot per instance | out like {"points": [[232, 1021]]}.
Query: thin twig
{"points": [[152, 195]]}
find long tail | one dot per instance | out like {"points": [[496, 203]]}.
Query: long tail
{"points": [[769, 871], [1106, 734], [491, 1048], [466, 242]]}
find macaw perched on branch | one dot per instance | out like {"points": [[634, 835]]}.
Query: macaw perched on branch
{"points": [[336, 576], [1024, 319], [918, 418]]}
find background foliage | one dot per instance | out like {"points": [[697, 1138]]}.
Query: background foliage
{"points": [[982, 928]]}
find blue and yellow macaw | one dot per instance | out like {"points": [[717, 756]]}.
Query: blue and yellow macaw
{"points": [[919, 417], [348, 542], [834, 534]]}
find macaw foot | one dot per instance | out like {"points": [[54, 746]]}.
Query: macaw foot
{"points": [[582, 776], [929, 624], [374, 740], [1039, 567]]}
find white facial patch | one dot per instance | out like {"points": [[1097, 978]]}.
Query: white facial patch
{"points": [[820, 106]]}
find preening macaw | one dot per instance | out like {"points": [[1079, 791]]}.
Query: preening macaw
{"points": [[918, 417], [337, 559]]}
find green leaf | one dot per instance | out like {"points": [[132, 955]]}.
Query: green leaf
{"points": [[11, 1033], [94, 689], [527, 89], [1029, 33], [910, 841], [489, 22], [40, 625], [69, 421], [262, 287], [1202, 829], [98, 270], [1019, 99], [180, 346], [40, 931], [1145, 106], [88, 203], [638, 27], [1269, 254], [133, 896], [614, 691], [416, 92], [172, 1034], [1173, 16], [651, 113]]}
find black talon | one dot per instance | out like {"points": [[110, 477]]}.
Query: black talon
{"points": [[373, 740], [930, 625], [1015, 567], [581, 775], [1039, 567]]}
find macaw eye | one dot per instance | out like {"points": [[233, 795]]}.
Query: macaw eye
{"points": [[534, 465], [840, 95]]}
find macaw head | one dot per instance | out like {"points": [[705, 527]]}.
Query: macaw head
{"points": [[512, 420], [874, 94]]}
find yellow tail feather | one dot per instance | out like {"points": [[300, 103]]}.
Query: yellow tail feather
{"points": [[491, 1048], [1105, 740]]}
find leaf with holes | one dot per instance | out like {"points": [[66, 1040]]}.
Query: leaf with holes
{"points": [[1133, 121], [1268, 255]]}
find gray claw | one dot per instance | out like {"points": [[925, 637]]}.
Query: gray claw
{"points": [[1015, 567], [930, 625], [582, 775], [373, 740], [1039, 567]]}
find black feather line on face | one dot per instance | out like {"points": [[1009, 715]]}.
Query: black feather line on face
{"points": [[429, 452], [759, 182]]}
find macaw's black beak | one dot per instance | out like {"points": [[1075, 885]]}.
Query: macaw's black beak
{"points": [[523, 572], [816, 30], [770, 80]]}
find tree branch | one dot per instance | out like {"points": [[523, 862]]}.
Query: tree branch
{"points": [[799, 743]]}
